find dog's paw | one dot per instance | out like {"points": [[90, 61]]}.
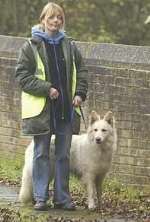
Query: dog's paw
{"points": [[92, 207]]}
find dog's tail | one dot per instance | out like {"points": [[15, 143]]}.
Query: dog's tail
{"points": [[26, 192]]}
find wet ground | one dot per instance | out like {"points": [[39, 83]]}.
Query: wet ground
{"points": [[11, 210], [8, 194]]}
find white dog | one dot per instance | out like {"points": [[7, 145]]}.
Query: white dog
{"points": [[90, 158]]}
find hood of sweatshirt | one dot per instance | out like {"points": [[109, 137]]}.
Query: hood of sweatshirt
{"points": [[39, 33]]}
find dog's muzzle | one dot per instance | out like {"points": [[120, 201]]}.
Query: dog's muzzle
{"points": [[98, 140]]}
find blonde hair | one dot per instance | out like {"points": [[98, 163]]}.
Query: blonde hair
{"points": [[52, 9]]}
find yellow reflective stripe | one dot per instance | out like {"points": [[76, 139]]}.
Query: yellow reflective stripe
{"points": [[74, 82], [77, 109], [41, 70], [74, 79], [33, 105]]}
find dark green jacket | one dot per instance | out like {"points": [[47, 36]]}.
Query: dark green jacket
{"points": [[29, 83]]}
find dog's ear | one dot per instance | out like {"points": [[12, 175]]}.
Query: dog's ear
{"points": [[93, 117], [109, 117]]}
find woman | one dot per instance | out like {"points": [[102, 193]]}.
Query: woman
{"points": [[52, 77]]}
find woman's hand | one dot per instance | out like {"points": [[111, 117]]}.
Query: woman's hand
{"points": [[53, 93], [77, 101]]}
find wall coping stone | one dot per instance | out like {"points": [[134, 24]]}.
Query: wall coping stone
{"points": [[108, 54]]}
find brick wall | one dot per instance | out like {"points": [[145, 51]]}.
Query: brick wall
{"points": [[119, 80], [10, 103]]}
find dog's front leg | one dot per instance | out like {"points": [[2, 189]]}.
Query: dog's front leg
{"points": [[99, 194], [91, 194], [99, 191]]}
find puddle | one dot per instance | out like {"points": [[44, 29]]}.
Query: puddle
{"points": [[8, 194]]}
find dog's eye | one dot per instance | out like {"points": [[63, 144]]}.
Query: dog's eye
{"points": [[95, 130], [104, 130]]}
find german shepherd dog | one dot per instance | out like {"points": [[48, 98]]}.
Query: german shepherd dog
{"points": [[90, 158]]}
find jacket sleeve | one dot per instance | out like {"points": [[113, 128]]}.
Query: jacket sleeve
{"points": [[82, 74], [25, 70]]}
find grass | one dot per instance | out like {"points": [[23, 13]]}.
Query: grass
{"points": [[115, 187], [11, 168]]}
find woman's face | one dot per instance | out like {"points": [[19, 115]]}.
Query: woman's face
{"points": [[52, 23]]}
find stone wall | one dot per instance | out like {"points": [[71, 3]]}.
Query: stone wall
{"points": [[119, 80]]}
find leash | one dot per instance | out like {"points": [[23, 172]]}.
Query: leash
{"points": [[53, 115], [82, 114]]}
